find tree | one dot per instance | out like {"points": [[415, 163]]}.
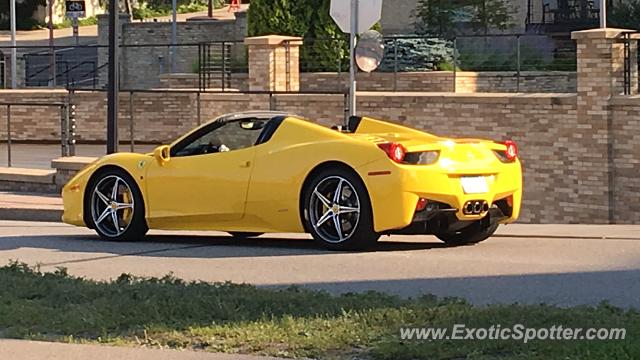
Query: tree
{"points": [[625, 15], [325, 48], [491, 14], [442, 17], [435, 17]]}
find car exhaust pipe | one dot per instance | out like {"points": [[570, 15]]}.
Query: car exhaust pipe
{"points": [[475, 207], [468, 208]]}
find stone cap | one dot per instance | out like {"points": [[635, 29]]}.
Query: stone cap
{"points": [[607, 33], [273, 40], [72, 162]]}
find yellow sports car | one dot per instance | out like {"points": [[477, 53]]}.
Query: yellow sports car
{"points": [[258, 172]]}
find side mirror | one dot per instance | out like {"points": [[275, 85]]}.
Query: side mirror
{"points": [[162, 154]]}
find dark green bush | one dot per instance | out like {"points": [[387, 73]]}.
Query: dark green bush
{"points": [[24, 11], [417, 54]]}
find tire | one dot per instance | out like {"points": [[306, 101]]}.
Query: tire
{"points": [[342, 222], [244, 235], [126, 203], [477, 232]]}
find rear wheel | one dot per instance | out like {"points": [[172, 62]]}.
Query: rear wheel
{"points": [[476, 232], [116, 207], [337, 211]]}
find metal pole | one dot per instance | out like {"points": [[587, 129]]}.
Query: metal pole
{"points": [[455, 64], [75, 30], [395, 64], [63, 130], [352, 61], [198, 108], [603, 14], [518, 65], [132, 145], [14, 58], [174, 33], [112, 96], [52, 50], [9, 134]]}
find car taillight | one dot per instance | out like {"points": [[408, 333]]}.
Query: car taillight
{"points": [[395, 151], [422, 204], [512, 150]]}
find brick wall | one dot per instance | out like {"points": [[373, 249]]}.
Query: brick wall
{"points": [[626, 158], [564, 158], [141, 66]]}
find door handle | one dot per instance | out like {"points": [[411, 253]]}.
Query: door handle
{"points": [[245, 164]]}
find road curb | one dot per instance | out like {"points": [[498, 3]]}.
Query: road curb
{"points": [[30, 214]]}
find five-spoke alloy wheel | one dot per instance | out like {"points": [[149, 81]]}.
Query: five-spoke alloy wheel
{"points": [[116, 207], [338, 211]]}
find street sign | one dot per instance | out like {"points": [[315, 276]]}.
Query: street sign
{"points": [[75, 9], [369, 13]]}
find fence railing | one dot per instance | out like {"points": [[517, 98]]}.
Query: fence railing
{"points": [[67, 125], [631, 57], [131, 98], [223, 65]]}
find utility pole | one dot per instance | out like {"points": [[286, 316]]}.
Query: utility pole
{"points": [[14, 57], [603, 14], [52, 50], [112, 95], [352, 62], [174, 34]]}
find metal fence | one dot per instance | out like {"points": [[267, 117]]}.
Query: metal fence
{"points": [[67, 125], [506, 55], [223, 65], [130, 98], [631, 53]]}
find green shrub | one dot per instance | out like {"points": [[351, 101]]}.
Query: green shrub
{"points": [[418, 54], [156, 8]]}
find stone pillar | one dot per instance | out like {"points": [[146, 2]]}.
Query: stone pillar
{"points": [[601, 63], [274, 63], [600, 77]]}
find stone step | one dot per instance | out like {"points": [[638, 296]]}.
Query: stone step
{"points": [[42, 176], [30, 207]]}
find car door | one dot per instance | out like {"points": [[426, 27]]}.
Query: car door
{"points": [[204, 182]]}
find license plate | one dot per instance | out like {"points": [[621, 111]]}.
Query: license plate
{"points": [[474, 185]]}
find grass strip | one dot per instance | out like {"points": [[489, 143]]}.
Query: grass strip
{"points": [[287, 322]]}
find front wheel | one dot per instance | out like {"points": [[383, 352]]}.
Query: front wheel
{"points": [[476, 232], [337, 211], [116, 207]]}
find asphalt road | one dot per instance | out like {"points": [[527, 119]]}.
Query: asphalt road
{"points": [[556, 264]]}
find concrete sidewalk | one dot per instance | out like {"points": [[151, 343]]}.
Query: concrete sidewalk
{"points": [[36, 350]]}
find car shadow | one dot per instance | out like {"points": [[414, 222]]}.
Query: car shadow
{"points": [[180, 246]]}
